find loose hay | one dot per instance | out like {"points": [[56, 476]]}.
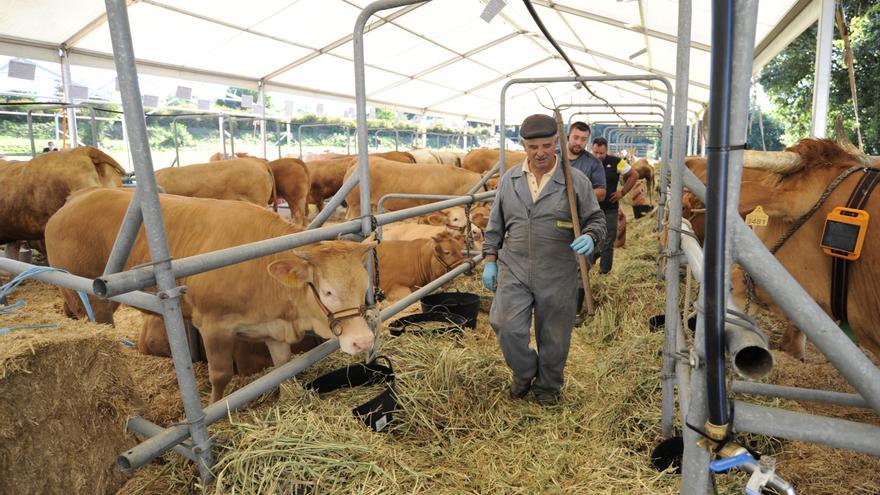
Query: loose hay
{"points": [[66, 395], [459, 433]]}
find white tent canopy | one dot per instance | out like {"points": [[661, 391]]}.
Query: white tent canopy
{"points": [[437, 57]]}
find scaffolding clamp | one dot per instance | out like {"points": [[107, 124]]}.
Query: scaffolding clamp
{"points": [[172, 293]]}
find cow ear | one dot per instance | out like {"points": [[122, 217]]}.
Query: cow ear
{"points": [[366, 247], [436, 218], [293, 272]]}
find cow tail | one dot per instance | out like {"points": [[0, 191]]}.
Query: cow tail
{"points": [[274, 189]]}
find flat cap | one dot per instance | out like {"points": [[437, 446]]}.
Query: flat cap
{"points": [[537, 126]]}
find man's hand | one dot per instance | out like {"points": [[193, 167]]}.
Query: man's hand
{"points": [[615, 196], [582, 245], [490, 273]]}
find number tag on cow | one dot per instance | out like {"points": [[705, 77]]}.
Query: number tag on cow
{"points": [[564, 225], [757, 218]]}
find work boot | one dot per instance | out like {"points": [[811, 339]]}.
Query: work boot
{"points": [[548, 398], [519, 387]]}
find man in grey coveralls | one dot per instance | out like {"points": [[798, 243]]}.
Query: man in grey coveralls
{"points": [[530, 256]]}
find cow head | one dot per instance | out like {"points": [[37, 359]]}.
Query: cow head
{"points": [[480, 216], [331, 283], [447, 249], [786, 184]]}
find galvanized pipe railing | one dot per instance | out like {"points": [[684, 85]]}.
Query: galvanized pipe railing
{"points": [[502, 123], [123, 51], [299, 129]]}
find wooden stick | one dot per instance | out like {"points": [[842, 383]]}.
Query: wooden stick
{"points": [[575, 218]]}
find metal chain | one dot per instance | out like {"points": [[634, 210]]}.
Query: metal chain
{"points": [[378, 295], [469, 234]]}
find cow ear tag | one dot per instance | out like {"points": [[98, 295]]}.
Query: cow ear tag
{"points": [[757, 218], [844, 233]]}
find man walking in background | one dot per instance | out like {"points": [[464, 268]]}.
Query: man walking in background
{"points": [[615, 168]]}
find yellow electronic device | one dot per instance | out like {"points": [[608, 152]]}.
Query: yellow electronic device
{"points": [[844, 233]]}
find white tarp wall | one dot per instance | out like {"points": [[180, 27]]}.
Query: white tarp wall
{"points": [[438, 57]]}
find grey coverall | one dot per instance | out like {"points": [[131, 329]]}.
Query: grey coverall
{"points": [[537, 271]]}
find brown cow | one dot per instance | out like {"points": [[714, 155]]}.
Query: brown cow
{"points": [[694, 211], [788, 184], [326, 178], [216, 157], [32, 191], [293, 183], [646, 172], [620, 240], [328, 175], [392, 177], [243, 179], [397, 156], [481, 160], [274, 298], [405, 266]]}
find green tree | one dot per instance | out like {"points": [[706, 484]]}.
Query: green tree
{"points": [[773, 131], [788, 78]]}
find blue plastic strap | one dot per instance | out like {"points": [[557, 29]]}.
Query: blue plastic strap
{"points": [[730, 462], [30, 272]]}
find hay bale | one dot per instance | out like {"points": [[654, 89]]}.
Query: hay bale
{"points": [[66, 395]]}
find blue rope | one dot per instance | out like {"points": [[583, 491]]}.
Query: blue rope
{"points": [[6, 330], [30, 272]]}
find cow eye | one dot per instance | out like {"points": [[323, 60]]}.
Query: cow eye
{"points": [[328, 293], [445, 252]]}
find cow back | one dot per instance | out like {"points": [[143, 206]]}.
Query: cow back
{"points": [[482, 159], [36, 189], [388, 177], [243, 179]]}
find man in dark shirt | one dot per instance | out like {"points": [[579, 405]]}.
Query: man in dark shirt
{"points": [[49, 148], [583, 160], [615, 168]]}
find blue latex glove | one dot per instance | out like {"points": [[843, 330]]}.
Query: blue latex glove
{"points": [[583, 244], [490, 273]]}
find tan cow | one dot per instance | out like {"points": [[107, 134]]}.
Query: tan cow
{"points": [[411, 231], [425, 155], [249, 357], [293, 183], [273, 299], [216, 157], [32, 191], [405, 266], [481, 160], [392, 177], [435, 157], [243, 179], [454, 217]]}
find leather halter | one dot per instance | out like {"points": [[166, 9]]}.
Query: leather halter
{"points": [[334, 320]]}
